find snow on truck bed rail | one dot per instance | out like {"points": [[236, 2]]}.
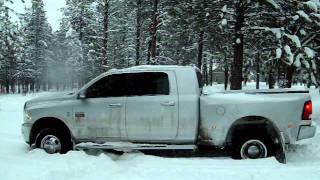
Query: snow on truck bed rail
{"points": [[18, 163]]}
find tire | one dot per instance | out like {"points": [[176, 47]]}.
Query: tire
{"points": [[252, 148], [53, 141]]}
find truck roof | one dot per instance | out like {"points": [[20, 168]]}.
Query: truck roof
{"points": [[153, 67]]}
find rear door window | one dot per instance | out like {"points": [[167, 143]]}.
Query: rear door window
{"points": [[148, 83]]}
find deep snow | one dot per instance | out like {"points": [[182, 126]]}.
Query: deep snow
{"points": [[17, 162]]}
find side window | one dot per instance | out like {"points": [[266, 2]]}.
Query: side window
{"points": [[109, 86], [148, 83]]}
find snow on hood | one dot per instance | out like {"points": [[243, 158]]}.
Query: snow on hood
{"points": [[49, 98]]}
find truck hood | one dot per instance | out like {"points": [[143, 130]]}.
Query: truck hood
{"points": [[49, 98]]}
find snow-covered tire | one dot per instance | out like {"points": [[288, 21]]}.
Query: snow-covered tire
{"points": [[252, 148], [53, 141]]}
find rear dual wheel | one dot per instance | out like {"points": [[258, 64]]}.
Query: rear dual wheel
{"points": [[252, 148]]}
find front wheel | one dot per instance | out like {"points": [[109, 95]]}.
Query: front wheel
{"points": [[53, 141], [252, 148]]}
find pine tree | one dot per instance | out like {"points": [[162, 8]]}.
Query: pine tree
{"points": [[8, 49], [85, 19], [37, 36], [298, 37]]}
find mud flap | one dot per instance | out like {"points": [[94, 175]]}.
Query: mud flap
{"points": [[280, 151]]}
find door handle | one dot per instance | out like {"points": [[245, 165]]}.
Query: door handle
{"points": [[115, 105], [169, 103]]}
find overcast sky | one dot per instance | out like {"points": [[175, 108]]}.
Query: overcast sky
{"points": [[52, 8]]}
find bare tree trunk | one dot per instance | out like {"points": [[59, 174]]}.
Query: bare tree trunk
{"points": [[49, 84], [45, 79], [211, 72], [236, 73], [278, 73], [289, 76], [7, 85], [200, 48], [105, 33], [149, 51], [32, 88], [309, 82], [138, 33], [38, 85], [271, 80], [205, 73], [153, 29], [226, 75], [19, 87], [25, 86], [12, 86], [258, 71], [282, 74]]}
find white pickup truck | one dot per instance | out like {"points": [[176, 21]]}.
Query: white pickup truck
{"points": [[163, 107]]}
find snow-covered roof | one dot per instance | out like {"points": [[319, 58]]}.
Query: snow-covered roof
{"points": [[152, 67], [158, 67]]}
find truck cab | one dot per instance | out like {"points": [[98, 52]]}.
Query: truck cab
{"points": [[140, 105]]}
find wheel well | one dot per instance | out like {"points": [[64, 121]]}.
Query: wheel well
{"points": [[252, 125], [47, 122]]}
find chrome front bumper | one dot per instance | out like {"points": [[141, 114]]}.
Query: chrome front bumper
{"points": [[25, 129], [306, 132]]}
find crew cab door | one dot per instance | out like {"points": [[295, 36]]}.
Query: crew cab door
{"points": [[152, 107], [101, 114]]}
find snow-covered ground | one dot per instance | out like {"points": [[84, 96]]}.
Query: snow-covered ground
{"points": [[18, 163]]}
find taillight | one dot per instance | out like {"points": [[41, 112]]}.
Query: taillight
{"points": [[307, 111]]}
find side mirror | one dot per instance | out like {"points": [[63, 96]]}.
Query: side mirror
{"points": [[82, 95]]}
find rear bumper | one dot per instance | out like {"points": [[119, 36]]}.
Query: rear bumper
{"points": [[306, 132], [25, 129]]}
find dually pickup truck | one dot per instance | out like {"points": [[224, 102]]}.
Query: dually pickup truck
{"points": [[164, 107]]}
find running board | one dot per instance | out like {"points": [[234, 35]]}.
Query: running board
{"points": [[125, 146]]}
